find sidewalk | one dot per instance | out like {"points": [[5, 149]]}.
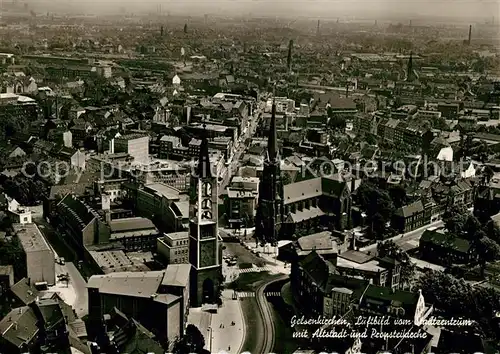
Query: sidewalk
{"points": [[230, 338], [270, 254], [219, 339]]}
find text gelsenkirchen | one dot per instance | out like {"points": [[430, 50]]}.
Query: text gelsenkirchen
{"points": [[321, 321]]}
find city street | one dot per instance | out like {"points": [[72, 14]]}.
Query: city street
{"points": [[74, 292], [401, 239], [219, 334], [232, 169]]}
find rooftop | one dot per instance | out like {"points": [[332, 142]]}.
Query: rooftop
{"points": [[131, 224], [177, 275], [142, 284], [19, 326], [163, 190], [31, 238], [177, 235], [138, 284]]}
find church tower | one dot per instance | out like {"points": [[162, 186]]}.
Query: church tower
{"points": [[410, 71], [205, 251], [270, 208]]}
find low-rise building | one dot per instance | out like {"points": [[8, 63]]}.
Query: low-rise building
{"points": [[412, 216], [140, 294], [136, 145], [439, 247], [174, 247], [134, 233], [40, 259]]}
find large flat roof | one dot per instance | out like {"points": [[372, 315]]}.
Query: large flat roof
{"points": [[138, 284], [131, 224], [163, 190], [31, 238], [141, 284]]}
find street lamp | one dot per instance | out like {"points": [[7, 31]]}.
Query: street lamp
{"points": [[209, 329]]}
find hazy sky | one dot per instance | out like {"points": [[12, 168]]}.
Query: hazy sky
{"points": [[313, 8]]}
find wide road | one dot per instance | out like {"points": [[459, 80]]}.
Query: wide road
{"points": [[401, 239], [81, 305], [232, 169], [267, 343]]}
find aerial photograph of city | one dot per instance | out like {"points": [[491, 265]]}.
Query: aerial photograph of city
{"points": [[250, 177]]}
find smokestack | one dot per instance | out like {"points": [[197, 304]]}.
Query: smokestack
{"points": [[410, 23], [317, 29], [470, 34], [289, 59], [161, 31]]}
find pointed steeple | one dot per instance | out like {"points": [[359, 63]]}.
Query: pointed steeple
{"points": [[204, 168], [272, 139], [410, 73]]}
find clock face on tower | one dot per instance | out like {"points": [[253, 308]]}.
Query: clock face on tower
{"points": [[207, 254], [207, 189], [206, 204]]}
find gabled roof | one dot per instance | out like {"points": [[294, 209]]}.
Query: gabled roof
{"points": [[318, 269], [25, 291], [398, 298], [314, 187], [410, 209], [19, 326], [441, 239]]}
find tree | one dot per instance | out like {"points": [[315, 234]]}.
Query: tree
{"points": [[455, 298], [378, 206], [193, 341], [455, 218], [398, 195], [490, 250], [11, 253]]}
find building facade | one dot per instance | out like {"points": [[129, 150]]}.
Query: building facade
{"points": [[174, 247], [40, 259], [205, 251], [270, 208]]}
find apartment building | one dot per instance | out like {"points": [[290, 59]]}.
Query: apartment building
{"points": [[174, 247], [40, 259]]}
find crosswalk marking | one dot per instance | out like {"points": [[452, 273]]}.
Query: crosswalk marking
{"points": [[273, 293], [255, 269], [246, 294], [252, 294]]}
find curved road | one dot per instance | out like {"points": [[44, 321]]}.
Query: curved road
{"points": [[267, 344]]}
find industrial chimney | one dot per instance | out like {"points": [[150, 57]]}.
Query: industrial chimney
{"points": [[470, 34], [317, 29]]}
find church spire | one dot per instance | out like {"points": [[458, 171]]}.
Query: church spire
{"points": [[410, 73], [204, 169], [272, 140]]}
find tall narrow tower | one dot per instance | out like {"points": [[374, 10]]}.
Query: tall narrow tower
{"points": [[470, 35], [270, 207], [205, 252], [289, 58], [317, 28], [410, 73]]}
